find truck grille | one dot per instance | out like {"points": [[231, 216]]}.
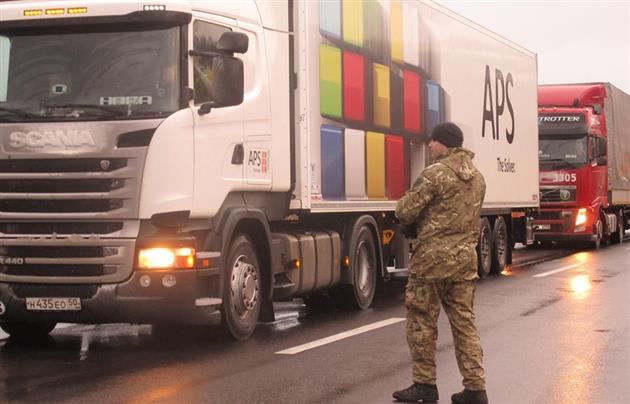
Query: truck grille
{"points": [[62, 165], [55, 188], [69, 260], [17, 228], [69, 215], [558, 195]]}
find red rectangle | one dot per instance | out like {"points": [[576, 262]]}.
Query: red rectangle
{"points": [[397, 178], [353, 86], [412, 102]]}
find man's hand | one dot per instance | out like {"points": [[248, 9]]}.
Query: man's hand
{"points": [[410, 230]]}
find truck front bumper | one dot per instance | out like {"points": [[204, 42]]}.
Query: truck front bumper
{"points": [[144, 298]]}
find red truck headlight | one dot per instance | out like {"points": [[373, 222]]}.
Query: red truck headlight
{"points": [[581, 217]]}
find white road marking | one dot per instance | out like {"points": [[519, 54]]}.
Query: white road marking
{"points": [[346, 334], [555, 271]]}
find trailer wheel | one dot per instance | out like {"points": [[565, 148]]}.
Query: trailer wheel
{"points": [[24, 331], [242, 296], [617, 237], [363, 265], [500, 246], [484, 248]]}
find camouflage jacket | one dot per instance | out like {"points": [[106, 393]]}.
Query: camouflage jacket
{"points": [[445, 204]]}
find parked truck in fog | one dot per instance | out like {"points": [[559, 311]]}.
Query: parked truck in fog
{"points": [[584, 163], [193, 161]]}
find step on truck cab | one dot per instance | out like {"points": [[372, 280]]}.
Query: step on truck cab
{"points": [[193, 161], [584, 164]]}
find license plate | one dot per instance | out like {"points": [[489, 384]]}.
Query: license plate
{"points": [[542, 227], [53, 303]]}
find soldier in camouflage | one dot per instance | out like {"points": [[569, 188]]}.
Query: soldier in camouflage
{"points": [[443, 206]]}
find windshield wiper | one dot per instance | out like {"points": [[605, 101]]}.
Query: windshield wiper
{"points": [[559, 160], [111, 111], [19, 113]]}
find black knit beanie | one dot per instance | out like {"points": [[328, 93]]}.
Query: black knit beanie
{"points": [[449, 134]]}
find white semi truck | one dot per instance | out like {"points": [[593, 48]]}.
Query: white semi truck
{"points": [[193, 161]]}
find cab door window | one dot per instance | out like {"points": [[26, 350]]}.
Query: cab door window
{"points": [[205, 38]]}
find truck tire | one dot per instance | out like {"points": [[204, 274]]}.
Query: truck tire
{"points": [[242, 294], [363, 267], [599, 235], [617, 236], [484, 248], [500, 246], [23, 331]]}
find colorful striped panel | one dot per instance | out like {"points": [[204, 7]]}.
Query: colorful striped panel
{"points": [[330, 81], [332, 150], [381, 96], [352, 13], [330, 17], [375, 161], [353, 86]]}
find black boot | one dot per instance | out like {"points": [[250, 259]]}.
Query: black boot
{"points": [[418, 392], [470, 397]]}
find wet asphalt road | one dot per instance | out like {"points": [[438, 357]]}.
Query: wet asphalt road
{"points": [[548, 337]]}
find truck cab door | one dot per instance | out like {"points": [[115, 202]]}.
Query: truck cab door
{"points": [[600, 168], [218, 135]]}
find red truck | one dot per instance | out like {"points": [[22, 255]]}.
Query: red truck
{"points": [[584, 157]]}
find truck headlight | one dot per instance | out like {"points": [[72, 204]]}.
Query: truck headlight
{"points": [[165, 258], [581, 217]]}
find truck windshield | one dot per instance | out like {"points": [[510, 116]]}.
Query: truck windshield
{"points": [[83, 74], [562, 152]]}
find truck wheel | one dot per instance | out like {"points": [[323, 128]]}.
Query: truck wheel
{"points": [[500, 246], [242, 296], [599, 235], [484, 248], [363, 265], [617, 237], [27, 330]]}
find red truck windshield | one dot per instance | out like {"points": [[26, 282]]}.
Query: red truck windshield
{"points": [[562, 152]]}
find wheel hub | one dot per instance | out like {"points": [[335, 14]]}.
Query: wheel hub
{"points": [[245, 286]]}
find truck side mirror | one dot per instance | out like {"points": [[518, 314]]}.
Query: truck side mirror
{"points": [[233, 42], [227, 81]]}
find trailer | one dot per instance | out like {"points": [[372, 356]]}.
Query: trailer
{"points": [[193, 161]]}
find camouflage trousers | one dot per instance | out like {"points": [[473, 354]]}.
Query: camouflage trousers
{"points": [[423, 299]]}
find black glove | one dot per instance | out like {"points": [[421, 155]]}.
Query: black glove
{"points": [[410, 230]]}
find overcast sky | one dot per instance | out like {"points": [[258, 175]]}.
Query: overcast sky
{"points": [[576, 41]]}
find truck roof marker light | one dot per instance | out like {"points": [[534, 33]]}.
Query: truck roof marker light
{"points": [[346, 261], [33, 13], [55, 11], [154, 7], [77, 10]]}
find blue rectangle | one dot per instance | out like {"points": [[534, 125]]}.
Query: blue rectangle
{"points": [[434, 105], [332, 147], [330, 17]]}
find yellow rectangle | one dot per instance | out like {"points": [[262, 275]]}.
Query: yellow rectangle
{"points": [[396, 25], [352, 13], [330, 63], [382, 113], [375, 165]]}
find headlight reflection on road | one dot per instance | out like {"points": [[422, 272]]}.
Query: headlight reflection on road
{"points": [[580, 285]]}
